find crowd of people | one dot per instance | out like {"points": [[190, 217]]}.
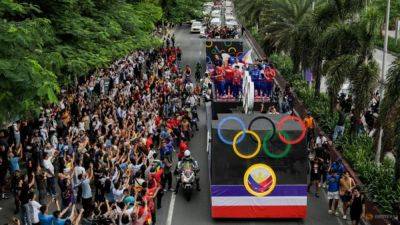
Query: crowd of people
{"points": [[227, 76], [333, 177], [222, 32], [103, 154]]}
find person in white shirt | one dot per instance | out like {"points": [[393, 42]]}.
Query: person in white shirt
{"points": [[320, 141], [51, 182], [33, 209]]}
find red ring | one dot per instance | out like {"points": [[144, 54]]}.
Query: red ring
{"points": [[296, 119]]}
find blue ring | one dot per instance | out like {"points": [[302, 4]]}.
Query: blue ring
{"points": [[237, 119]]}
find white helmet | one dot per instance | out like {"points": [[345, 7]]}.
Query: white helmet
{"points": [[187, 153]]}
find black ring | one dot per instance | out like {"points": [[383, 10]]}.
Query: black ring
{"points": [[262, 117]]}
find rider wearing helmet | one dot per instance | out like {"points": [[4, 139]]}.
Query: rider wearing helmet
{"points": [[195, 166]]}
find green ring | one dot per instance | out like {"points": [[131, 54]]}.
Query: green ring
{"points": [[273, 155]]}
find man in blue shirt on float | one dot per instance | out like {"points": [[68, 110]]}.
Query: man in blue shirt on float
{"points": [[255, 74]]}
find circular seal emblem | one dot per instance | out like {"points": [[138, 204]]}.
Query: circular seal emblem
{"points": [[259, 180]]}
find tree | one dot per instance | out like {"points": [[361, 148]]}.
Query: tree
{"points": [[253, 11], [45, 44], [286, 27], [351, 58]]}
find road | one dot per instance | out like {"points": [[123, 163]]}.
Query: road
{"points": [[177, 211]]}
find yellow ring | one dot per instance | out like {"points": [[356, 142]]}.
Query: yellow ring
{"points": [[234, 50], [243, 155], [247, 174], [210, 45]]}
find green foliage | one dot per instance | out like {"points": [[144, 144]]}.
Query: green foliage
{"points": [[378, 180], [45, 44], [180, 11], [318, 106]]}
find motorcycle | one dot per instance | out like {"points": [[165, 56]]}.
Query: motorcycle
{"points": [[187, 183]]}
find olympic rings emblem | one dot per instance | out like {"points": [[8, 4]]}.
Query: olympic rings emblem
{"points": [[259, 180], [239, 137]]}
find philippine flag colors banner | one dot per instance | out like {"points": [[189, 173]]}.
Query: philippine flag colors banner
{"points": [[234, 201]]}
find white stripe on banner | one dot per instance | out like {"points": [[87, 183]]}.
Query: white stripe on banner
{"points": [[260, 201]]}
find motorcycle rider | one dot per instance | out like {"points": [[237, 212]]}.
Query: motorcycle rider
{"points": [[195, 166]]}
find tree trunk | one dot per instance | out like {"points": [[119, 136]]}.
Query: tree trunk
{"points": [[317, 75], [397, 146], [333, 99]]}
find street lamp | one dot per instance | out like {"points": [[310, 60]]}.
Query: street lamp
{"points": [[382, 80]]}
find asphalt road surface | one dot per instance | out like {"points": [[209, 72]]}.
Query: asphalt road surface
{"points": [[175, 209]]}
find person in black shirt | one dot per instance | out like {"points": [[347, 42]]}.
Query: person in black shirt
{"points": [[339, 129], [315, 175], [357, 206]]}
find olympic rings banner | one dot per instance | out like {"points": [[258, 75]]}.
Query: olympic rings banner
{"points": [[258, 166], [217, 47]]}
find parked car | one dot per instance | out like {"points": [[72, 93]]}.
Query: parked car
{"points": [[228, 4], [196, 26], [208, 4]]}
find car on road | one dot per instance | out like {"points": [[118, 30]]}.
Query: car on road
{"points": [[196, 27], [228, 4], [216, 13], [208, 4]]}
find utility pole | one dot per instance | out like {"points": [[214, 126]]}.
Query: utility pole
{"points": [[382, 80]]}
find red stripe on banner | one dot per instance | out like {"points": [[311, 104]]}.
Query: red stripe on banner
{"points": [[259, 212]]}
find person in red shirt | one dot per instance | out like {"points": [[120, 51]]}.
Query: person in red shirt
{"points": [[149, 142], [183, 146], [151, 192], [269, 74], [220, 81], [237, 82], [229, 73]]}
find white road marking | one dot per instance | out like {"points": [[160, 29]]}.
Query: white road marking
{"points": [[171, 209]]}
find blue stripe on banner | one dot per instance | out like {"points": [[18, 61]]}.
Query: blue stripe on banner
{"points": [[240, 190]]}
